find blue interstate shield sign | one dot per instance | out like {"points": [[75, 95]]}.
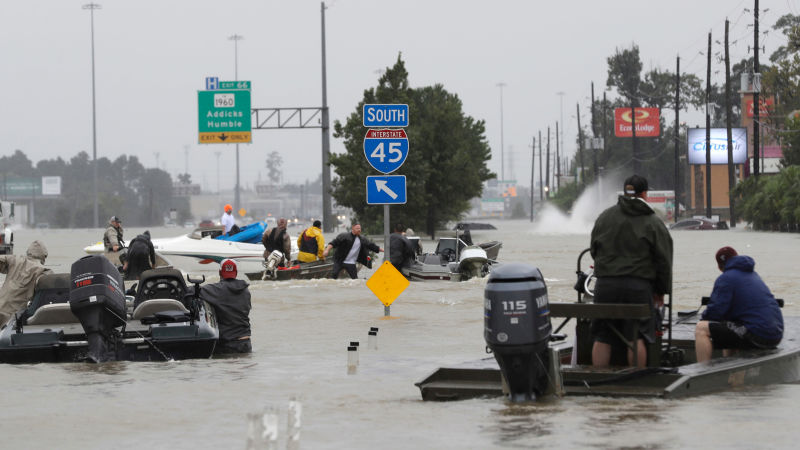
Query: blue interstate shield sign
{"points": [[386, 150], [386, 190]]}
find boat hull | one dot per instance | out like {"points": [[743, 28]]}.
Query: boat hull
{"points": [[302, 271]]}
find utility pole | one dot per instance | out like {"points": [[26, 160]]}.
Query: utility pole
{"points": [[605, 124], [677, 138], [580, 143], [756, 91], [186, 159], [708, 131], [236, 38], [594, 134], [541, 180], [731, 176], [558, 163], [327, 217], [561, 108], [533, 165], [636, 164], [502, 159], [91, 7], [547, 169]]}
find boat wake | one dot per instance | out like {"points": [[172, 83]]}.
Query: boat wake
{"points": [[596, 198]]}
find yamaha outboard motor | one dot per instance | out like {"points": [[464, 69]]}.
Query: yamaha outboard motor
{"points": [[517, 328], [97, 298]]}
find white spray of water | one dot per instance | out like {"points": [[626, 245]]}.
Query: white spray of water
{"points": [[594, 199]]}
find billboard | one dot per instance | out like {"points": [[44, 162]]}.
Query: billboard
{"points": [[51, 185], [719, 145], [767, 105], [647, 122]]}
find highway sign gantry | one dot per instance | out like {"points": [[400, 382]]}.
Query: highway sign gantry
{"points": [[386, 150], [386, 190], [224, 114]]}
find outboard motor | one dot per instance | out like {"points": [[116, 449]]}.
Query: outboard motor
{"points": [[97, 298], [517, 328], [271, 265]]}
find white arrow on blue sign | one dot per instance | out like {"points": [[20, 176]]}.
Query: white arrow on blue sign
{"points": [[386, 190], [386, 150], [390, 115]]}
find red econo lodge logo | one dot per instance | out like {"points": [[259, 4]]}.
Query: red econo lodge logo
{"points": [[647, 122]]}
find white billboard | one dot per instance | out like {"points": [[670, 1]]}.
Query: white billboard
{"points": [[719, 145], [51, 185]]}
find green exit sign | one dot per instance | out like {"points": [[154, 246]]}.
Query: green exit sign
{"points": [[234, 85]]}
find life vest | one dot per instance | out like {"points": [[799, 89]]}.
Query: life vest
{"points": [[274, 241], [309, 243]]}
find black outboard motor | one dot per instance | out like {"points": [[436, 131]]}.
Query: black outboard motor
{"points": [[97, 298], [517, 328]]}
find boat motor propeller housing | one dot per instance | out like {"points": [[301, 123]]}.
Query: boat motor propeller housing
{"points": [[97, 298], [271, 265], [517, 328]]}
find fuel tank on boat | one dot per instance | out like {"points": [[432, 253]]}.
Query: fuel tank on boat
{"points": [[97, 298], [517, 328]]}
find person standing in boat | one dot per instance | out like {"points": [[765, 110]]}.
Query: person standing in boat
{"points": [[742, 313], [112, 239], [278, 239], [632, 251], [311, 243], [141, 256], [227, 219], [351, 248], [230, 298], [401, 252], [22, 273]]}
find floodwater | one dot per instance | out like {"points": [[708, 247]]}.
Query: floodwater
{"points": [[300, 333]]}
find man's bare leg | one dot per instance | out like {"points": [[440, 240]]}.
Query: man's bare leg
{"points": [[702, 341], [601, 354]]}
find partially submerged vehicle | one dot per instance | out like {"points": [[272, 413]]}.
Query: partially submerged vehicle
{"points": [[699, 223], [85, 316], [532, 360], [452, 260]]}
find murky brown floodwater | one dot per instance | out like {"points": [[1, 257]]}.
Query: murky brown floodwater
{"points": [[300, 333]]}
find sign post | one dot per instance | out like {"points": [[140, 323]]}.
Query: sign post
{"points": [[386, 149]]}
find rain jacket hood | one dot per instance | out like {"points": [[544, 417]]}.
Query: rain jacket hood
{"points": [[37, 251], [22, 273]]}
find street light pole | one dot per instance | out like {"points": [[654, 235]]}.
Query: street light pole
{"points": [[236, 38], [91, 7], [563, 150], [502, 158]]}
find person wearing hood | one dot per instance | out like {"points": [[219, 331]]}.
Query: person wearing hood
{"points": [[632, 252], [742, 313], [230, 298], [311, 243], [141, 256], [112, 239], [22, 273]]}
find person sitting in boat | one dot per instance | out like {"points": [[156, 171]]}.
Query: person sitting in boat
{"points": [[227, 219], [742, 312], [112, 239], [22, 273], [278, 239], [401, 252], [141, 256], [632, 251], [311, 243], [231, 300], [351, 248]]}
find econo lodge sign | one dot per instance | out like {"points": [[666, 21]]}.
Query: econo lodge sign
{"points": [[648, 122]]}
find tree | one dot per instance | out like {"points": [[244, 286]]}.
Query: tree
{"points": [[445, 167], [274, 164]]}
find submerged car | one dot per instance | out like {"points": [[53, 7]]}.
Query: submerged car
{"points": [[699, 224]]}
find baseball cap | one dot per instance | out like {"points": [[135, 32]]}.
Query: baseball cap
{"points": [[228, 208], [635, 185], [227, 269], [723, 255], [115, 219]]}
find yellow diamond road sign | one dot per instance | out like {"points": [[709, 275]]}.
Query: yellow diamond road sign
{"points": [[387, 283]]}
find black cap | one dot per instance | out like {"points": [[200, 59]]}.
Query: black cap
{"points": [[375, 329], [354, 343], [635, 185]]}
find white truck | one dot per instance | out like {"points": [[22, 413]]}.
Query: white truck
{"points": [[6, 234]]}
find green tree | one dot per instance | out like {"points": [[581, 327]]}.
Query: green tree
{"points": [[445, 167], [274, 167]]}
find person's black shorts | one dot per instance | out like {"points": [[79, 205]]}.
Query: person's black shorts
{"points": [[727, 334], [234, 346], [629, 290]]}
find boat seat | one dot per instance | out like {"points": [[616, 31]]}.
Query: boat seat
{"points": [[160, 283], [51, 314], [430, 258], [151, 307]]}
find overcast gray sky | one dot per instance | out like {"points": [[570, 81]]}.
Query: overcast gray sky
{"points": [[152, 56]]}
